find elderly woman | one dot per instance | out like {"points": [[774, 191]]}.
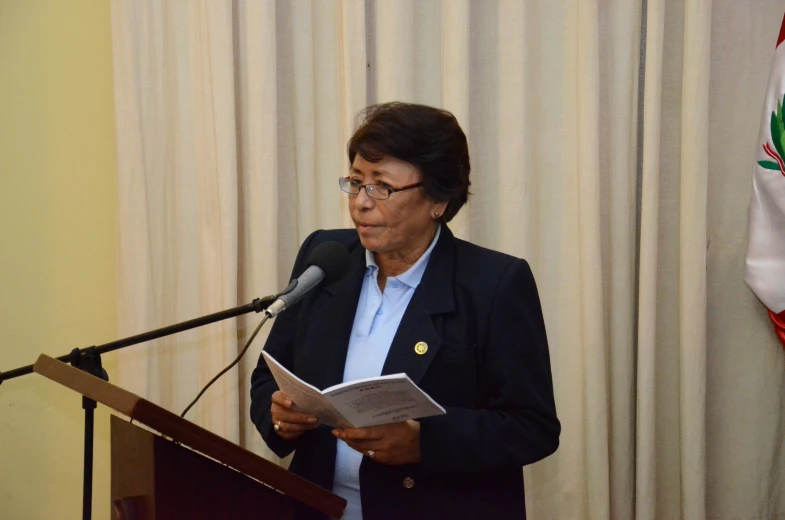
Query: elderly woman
{"points": [[462, 321]]}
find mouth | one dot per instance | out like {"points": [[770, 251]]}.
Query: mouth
{"points": [[365, 227]]}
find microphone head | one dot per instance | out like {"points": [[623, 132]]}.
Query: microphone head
{"points": [[332, 258]]}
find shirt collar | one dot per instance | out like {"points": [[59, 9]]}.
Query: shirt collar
{"points": [[414, 274]]}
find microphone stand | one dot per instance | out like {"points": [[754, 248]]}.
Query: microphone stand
{"points": [[89, 360]]}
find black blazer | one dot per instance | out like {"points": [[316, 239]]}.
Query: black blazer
{"points": [[487, 364]]}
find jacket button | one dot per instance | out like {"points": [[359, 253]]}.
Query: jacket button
{"points": [[408, 482]]}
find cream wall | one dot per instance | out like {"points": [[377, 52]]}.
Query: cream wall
{"points": [[57, 243]]}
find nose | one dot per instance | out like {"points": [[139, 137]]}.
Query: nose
{"points": [[362, 200]]}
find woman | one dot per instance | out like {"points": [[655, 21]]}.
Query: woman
{"points": [[463, 322]]}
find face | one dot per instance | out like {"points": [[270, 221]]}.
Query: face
{"points": [[401, 224]]}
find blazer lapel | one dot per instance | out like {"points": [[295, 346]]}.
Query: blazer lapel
{"points": [[333, 321], [417, 340], [416, 330]]}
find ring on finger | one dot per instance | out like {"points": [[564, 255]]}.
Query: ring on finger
{"points": [[371, 453], [277, 426]]}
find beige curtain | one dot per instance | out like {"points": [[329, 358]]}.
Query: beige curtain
{"points": [[612, 154]]}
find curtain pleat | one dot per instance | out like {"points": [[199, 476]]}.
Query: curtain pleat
{"points": [[620, 37], [646, 375], [692, 254]]}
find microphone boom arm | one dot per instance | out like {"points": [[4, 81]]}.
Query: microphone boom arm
{"points": [[257, 305]]}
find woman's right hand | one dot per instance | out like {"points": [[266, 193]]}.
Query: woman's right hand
{"points": [[290, 423]]}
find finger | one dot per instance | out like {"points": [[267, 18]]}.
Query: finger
{"points": [[288, 436], [294, 426], [361, 434], [365, 446], [342, 434], [288, 415], [282, 399], [378, 453], [285, 427]]}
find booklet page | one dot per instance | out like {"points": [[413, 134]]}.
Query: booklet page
{"points": [[306, 398]]}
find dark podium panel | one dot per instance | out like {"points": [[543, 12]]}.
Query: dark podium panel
{"points": [[186, 471], [164, 480]]}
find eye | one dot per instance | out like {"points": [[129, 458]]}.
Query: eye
{"points": [[383, 185], [356, 183]]}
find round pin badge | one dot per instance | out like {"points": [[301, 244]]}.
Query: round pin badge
{"points": [[421, 347]]}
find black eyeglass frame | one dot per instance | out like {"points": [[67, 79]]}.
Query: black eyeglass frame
{"points": [[390, 189]]}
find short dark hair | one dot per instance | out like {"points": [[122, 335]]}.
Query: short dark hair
{"points": [[426, 137]]}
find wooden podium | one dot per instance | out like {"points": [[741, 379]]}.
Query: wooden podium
{"points": [[156, 477]]}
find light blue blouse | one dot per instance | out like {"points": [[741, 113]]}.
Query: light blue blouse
{"points": [[375, 324]]}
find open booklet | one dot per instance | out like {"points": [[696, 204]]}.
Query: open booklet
{"points": [[365, 402]]}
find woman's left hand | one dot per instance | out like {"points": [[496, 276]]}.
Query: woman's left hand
{"points": [[392, 444]]}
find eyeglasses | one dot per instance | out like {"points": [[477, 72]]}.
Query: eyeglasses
{"points": [[375, 191]]}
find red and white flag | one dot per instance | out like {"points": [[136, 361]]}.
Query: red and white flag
{"points": [[765, 266]]}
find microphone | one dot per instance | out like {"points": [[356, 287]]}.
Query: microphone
{"points": [[328, 262]]}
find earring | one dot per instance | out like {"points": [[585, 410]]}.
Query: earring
{"points": [[435, 214]]}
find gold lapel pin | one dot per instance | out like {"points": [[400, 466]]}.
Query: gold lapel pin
{"points": [[421, 347]]}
